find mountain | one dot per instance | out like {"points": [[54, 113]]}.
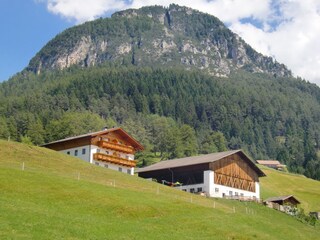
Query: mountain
{"points": [[130, 71], [174, 36], [66, 198]]}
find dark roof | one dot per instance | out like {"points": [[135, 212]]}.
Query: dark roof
{"points": [[281, 198], [195, 160], [137, 145]]}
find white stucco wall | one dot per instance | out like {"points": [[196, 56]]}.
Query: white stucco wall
{"points": [[85, 157], [215, 190], [195, 187], [115, 167], [208, 180], [225, 191], [257, 190], [92, 149]]}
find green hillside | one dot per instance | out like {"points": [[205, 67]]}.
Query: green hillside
{"points": [[279, 183], [60, 197]]}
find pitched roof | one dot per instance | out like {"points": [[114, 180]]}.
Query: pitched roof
{"points": [[135, 143], [281, 198], [268, 162], [195, 160]]}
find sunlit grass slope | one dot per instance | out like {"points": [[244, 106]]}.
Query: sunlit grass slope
{"points": [[306, 190], [61, 197]]}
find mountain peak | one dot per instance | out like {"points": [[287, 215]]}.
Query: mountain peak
{"points": [[157, 36]]}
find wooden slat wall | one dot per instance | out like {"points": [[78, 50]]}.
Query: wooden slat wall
{"points": [[233, 171], [111, 136]]}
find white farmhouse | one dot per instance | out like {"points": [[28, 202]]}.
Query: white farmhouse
{"points": [[111, 148]]}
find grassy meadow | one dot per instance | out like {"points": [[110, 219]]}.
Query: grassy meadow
{"points": [[306, 190], [48, 195]]}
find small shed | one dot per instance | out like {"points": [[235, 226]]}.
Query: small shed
{"points": [[284, 200], [286, 204]]}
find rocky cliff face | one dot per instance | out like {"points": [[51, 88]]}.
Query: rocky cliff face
{"points": [[156, 36]]}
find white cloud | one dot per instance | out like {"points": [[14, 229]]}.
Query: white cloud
{"points": [[295, 41], [228, 10], [287, 29], [83, 10]]}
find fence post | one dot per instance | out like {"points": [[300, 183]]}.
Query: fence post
{"points": [[22, 166], [214, 204]]}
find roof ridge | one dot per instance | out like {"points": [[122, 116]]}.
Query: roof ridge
{"points": [[196, 160]]}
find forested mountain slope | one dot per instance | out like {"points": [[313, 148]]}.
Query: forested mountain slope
{"points": [[266, 116]]}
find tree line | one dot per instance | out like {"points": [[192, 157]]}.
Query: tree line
{"points": [[175, 113]]}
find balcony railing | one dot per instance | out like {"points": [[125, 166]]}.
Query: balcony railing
{"points": [[116, 146], [114, 159]]}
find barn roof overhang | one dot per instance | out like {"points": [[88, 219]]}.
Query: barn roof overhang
{"points": [[196, 160]]}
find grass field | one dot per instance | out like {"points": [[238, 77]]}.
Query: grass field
{"points": [[306, 190], [48, 195]]}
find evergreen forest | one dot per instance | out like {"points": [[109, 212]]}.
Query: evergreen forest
{"points": [[172, 112]]}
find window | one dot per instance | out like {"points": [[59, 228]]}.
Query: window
{"points": [[83, 151], [96, 163], [129, 171], [120, 169], [241, 194], [107, 152], [76, 152], [199, 189], [236, 194], [192, 190], [106, 166], [216, 190], [230, 193], [98, 150], [68, 152], [184, 190]]}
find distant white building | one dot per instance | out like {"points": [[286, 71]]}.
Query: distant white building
{"points": [[228, 174], [111, 148]]}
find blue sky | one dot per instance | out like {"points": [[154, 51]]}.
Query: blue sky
{"points": [[26, 26], [287, 30]]}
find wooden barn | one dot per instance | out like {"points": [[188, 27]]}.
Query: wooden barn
{"points": [[283, 200], [110, 148], [229, 174], [283, 203]]}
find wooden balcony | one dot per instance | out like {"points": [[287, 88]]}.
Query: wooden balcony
{"points": [[114, 160], [116, 146]]}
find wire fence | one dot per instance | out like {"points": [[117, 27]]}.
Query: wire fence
{"points": [[148, 187]]}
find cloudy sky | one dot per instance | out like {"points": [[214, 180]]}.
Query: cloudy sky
{"points": [[288, 30]]}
